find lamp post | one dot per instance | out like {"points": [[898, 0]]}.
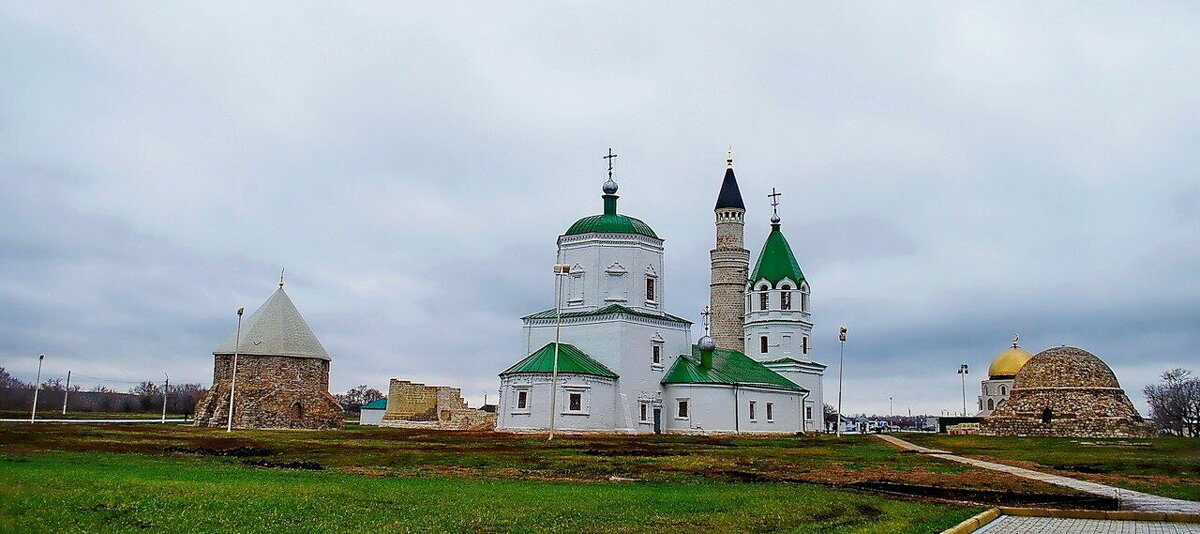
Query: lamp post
{"points": [[166, 386], [891, 411], [837, 423], [66, 391], [237, 340], [37, 384], [962, 371], [560, 270]]}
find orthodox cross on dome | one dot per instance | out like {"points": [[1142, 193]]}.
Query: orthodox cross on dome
{"points": [[704, 318], [610, 157], [775, 204]]}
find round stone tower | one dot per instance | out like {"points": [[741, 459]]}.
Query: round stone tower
{"points": [[730, 265]]}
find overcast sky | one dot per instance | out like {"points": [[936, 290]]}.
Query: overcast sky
{"points": [[951, 174]]}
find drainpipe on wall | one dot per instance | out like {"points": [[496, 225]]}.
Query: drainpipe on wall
{"points": [[737, 428]]}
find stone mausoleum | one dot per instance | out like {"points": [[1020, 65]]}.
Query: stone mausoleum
{"points": [[1066, 392], [282, 374]]}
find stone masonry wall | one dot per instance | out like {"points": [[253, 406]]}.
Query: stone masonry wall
{"points": [[272, 392], [413, 405], [730, 267], [1074, 412]]}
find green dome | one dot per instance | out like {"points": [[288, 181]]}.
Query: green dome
{"points": [[611, 224]]}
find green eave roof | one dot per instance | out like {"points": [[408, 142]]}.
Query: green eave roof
{"points": [[570, 360], [776, 260], [728, 367], [610, 309], [380, 404], [611, 223]]}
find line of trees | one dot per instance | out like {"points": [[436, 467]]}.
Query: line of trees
{"points": [[353, 399], [16, 394], [1175, 402]]}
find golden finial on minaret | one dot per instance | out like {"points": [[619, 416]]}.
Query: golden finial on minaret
{"points": [[1016, 338], [729, 160]]}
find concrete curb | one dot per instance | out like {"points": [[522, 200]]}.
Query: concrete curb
{"points": [[1117, 515], [975, 522]]}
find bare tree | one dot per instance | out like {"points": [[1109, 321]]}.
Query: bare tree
{"points": [[354, 398], [1175, 402], [9, 381]]}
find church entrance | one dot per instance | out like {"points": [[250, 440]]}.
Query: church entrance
{"points": [[658, 420]]}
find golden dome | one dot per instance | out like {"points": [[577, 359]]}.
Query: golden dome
{"points": [[1007, 363]]}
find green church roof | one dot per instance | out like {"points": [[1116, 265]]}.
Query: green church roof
{"points": [[611, 224], [728, 367], [611, 308], [776, 260], [570, 360]]}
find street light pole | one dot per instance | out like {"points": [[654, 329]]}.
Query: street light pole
{"points": [[560, 270], [237, 340], [166, 386], [37, 384], [837, 423], [962, 371], [66, 392]]}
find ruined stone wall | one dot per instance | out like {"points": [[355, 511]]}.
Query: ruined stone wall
{"points": [[413, 405], [727, 288], [272, 392]]}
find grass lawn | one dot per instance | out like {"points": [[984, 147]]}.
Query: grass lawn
{"points": [[109, 492], [1168, 466], [395, 452]]}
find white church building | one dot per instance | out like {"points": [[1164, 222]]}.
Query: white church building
{"points": [[626, 365]]}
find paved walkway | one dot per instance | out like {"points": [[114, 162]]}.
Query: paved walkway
{"points": [[1007, 524], [1129, 499]]}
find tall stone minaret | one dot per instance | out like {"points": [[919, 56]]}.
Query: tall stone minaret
{"points": [[730, 265]]}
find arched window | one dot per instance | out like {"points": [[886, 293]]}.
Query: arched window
{"points": [[785, 297], [1047, 415], [298, 410], [1003, 390], [804, 296], [991, 404]]}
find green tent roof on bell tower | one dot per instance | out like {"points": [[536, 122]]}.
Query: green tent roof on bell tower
{"points": [[776, 261]]}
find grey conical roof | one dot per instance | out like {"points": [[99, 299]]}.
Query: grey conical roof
{"points": [[276, 329]]}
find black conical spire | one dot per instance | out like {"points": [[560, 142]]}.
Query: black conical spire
{"points": [[730, 196]]}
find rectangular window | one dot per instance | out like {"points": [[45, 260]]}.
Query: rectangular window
{"points": [[650, 289], [762, 344], [575, 402], [522, 400], [762, 300], [785, 300], [770, 411], [804, 344], [656, 356], [808, 412], [753, 405], [645, 415], [682, 413]]}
